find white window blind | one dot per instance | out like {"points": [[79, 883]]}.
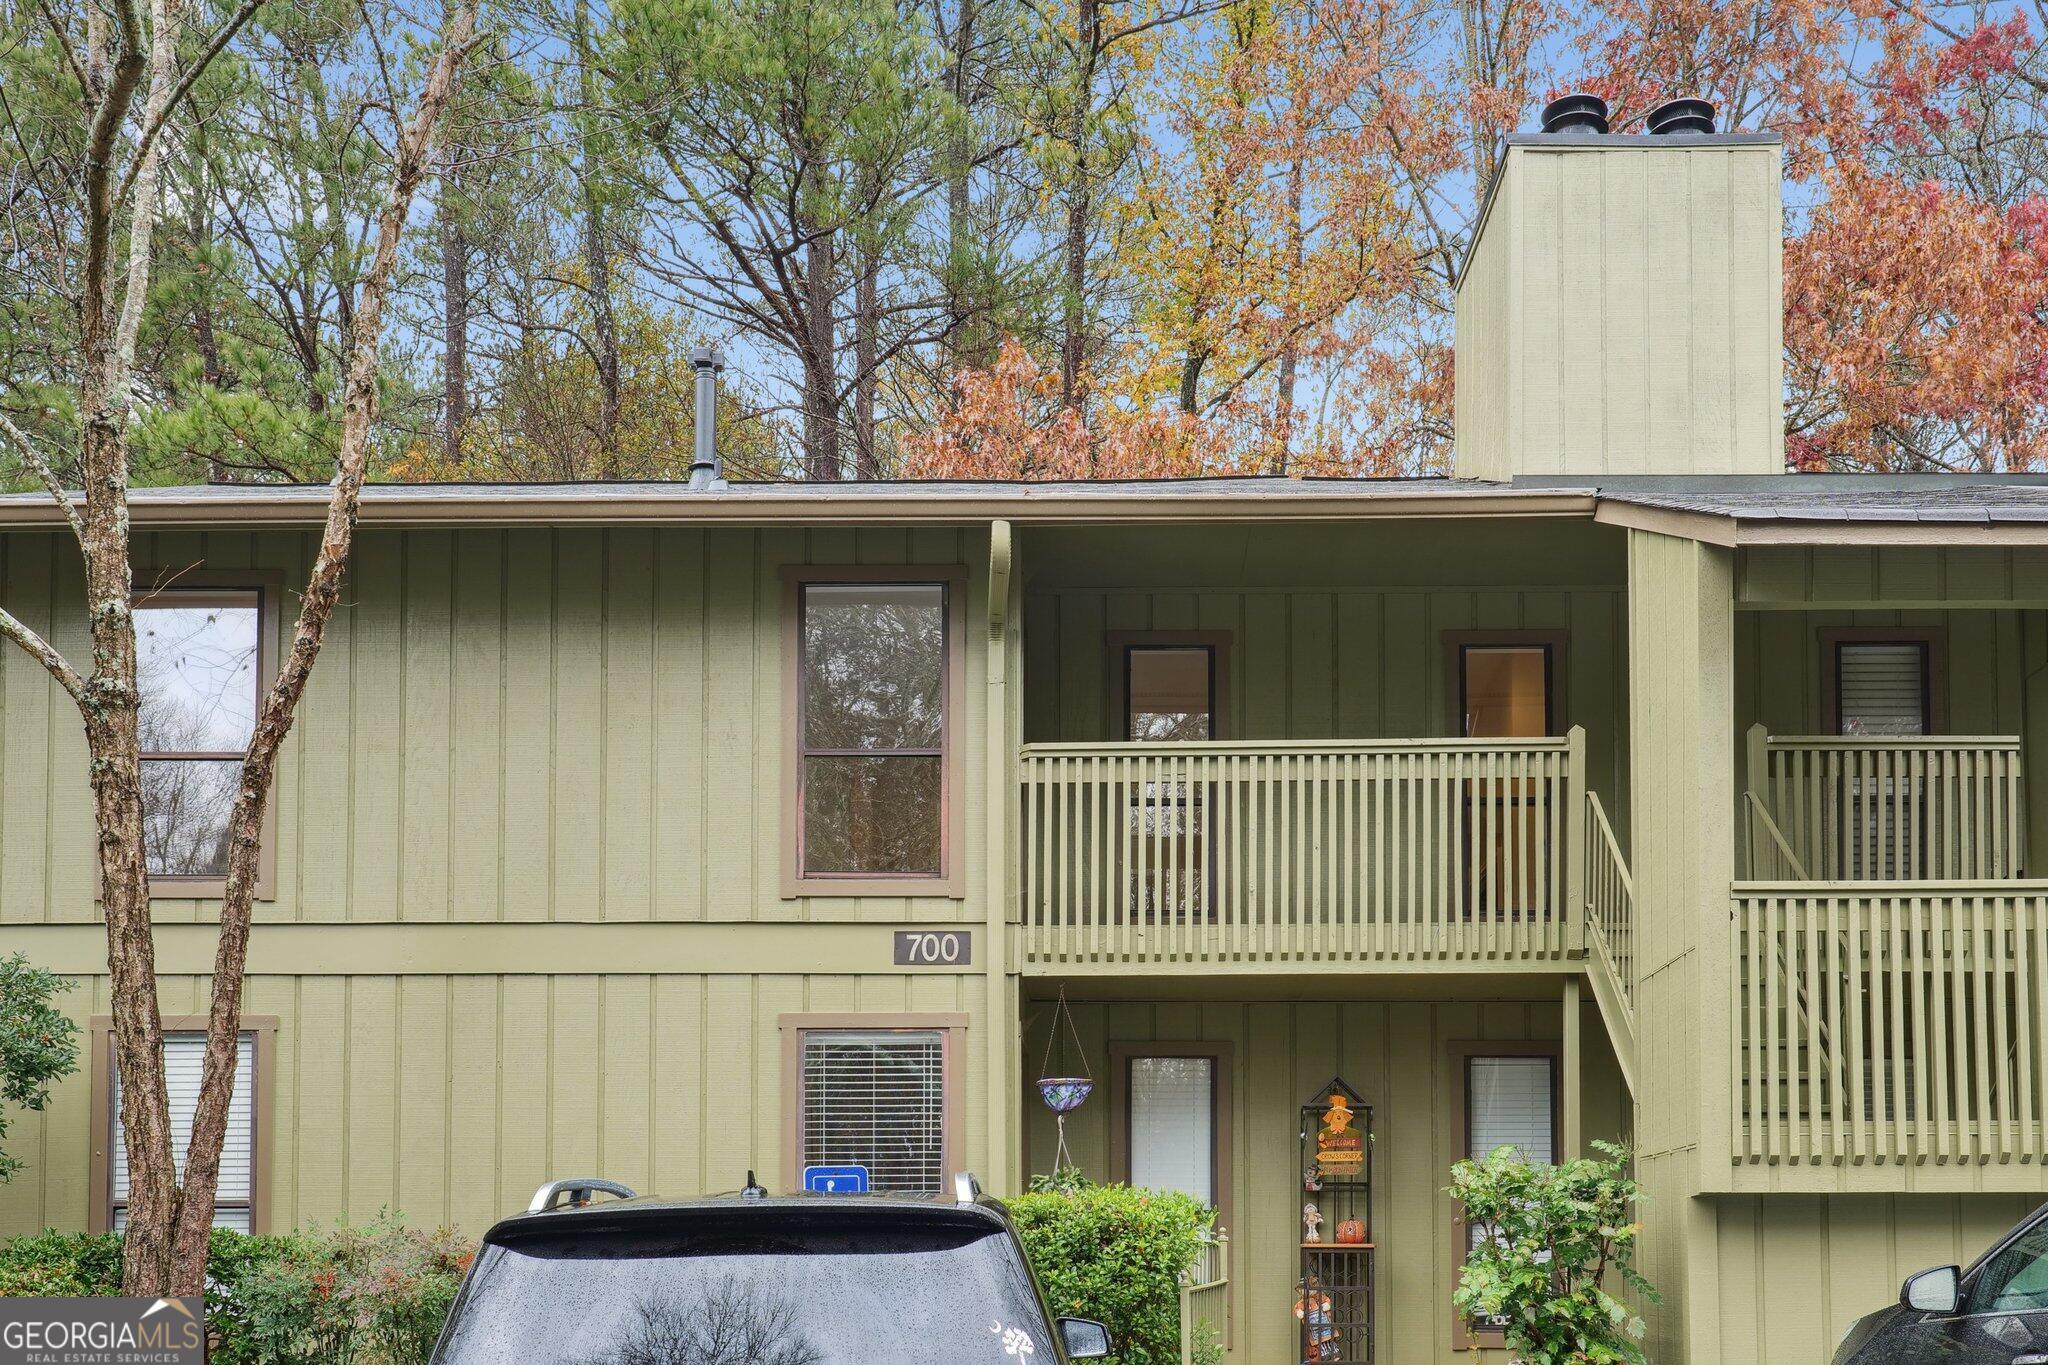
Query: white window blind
{"points": [[184, 1056], [876, 1099], [1173, 1125], [1511, 1106], [1883, 688]]}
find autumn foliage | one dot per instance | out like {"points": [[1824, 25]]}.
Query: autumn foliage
{"points": [[1313, 174]]}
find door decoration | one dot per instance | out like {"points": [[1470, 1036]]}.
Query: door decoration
{"points": [[1063, 1093], [1334, 1296]]}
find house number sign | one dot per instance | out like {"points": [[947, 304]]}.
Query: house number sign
{"points": [[934, 947]]}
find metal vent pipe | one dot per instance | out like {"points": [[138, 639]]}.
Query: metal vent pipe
{"points": [[706, 469]]}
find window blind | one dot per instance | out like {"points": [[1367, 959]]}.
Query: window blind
{"points": [[1173, 1120], [877, 1100], [1882, 688], [184, 1056], [1511, 1106]]}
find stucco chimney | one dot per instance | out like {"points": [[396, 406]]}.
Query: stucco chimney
{"points": [[1621, 310]]}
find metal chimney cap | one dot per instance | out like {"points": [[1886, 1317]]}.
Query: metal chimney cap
{"points": [[1578, 112], [707, 358], [1685, 114]]}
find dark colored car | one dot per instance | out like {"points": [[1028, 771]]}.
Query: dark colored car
{"points": [[757, 1280], [1994, 1313]]}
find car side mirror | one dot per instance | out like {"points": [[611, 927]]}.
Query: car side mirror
{"points": [[1084, 1339], [1934, 1291]]}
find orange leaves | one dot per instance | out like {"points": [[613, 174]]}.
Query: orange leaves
{"points": [[1914, 326]]}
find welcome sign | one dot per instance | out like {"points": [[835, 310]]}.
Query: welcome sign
{"points": [[52, 1331]]}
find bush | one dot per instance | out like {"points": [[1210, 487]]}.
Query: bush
{"points": [[1117, 1255], [1548, 1235], [361, 1296], [38, 1044]]}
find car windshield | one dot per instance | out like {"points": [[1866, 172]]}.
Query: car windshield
{"points": [[769, 1287]]}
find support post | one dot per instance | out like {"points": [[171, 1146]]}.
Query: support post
{"points": [[1574, 1073], [1001, 1021]]}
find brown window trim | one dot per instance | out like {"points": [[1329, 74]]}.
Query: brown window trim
{"points": [[1456, 642], [1117, 685], [268, 585], [100, 1175], [951, 880], [1463, 1338], [1931, 638], [952, 1031], [1222, 1055]]}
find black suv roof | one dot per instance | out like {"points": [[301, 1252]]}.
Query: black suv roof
{"points": [[601, 1215]]}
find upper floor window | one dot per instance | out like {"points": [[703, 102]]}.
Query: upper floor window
{"points": [[876, 666], [1883, 687], [1504, 690], [199, 673], [1170, 692]]}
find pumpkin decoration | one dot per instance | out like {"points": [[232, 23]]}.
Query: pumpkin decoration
{"points": [[1350, 1232]]}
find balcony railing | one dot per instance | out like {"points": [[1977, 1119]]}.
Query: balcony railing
{"points": [[1890, 1022], [1886, 809], [1343, 850]]}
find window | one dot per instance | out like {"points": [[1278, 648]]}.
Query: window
{"points": [[1170, 1119], [877, 670], [1170, 693], [2015, 1280], [1173, 1125], [199, 660], [1504, 690], [1883, 687], [1507, 1097], [239, 1200], [874, 1092]]}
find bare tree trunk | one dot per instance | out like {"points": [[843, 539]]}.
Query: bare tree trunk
{"points": [[280, 705], [866, 325], [454, 317], [1080, 212], [597, 260], [1290, 357], [821, 378], [964, 337]]}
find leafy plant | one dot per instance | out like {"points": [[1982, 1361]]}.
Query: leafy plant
{"points": [[1548, 1237], [1114, 1254], [38, 1044]]}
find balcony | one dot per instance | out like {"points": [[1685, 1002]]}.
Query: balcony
{"points": [[1259, 853]]}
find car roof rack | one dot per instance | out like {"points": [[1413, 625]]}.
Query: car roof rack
{"points": [[966, 1189], [574, 1193]]}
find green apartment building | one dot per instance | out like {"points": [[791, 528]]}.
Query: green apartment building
{"points": [[1620, 786]]}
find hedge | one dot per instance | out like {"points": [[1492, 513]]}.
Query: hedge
{"points": [[1117, 1255], [359, 1296]]}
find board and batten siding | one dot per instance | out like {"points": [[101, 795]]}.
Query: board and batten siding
{"points": [[1398, 1055], [452, 1097], [571, 725]]}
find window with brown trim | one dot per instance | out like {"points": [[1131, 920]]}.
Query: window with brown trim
{"points": [[1883, 687], [1504, 690], [877, 677], [873, 1091], [240, 1197], [1170, 1119], [202, 656], [1508, 1096], [1170, 692]]}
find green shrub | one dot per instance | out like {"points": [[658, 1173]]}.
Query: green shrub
{"points": [[1115, 1254], [1547, 1237], [38, 1044], [358, 1296]]}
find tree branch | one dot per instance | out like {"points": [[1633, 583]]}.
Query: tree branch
{"points": [[46, 474], [44, 653]]}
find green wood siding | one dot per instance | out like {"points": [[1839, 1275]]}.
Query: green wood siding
{"points": [[579, 725], [1397, 1053], [452, 1097]]}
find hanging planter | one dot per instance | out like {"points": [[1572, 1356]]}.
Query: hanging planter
{"points": [[1063, 1094]]}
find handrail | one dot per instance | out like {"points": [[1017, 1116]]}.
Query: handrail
{"points": [[1876, 807], [1198, 1296], [1758, 811], [1893, 1022], [1610, 902], [1286, 850]]}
